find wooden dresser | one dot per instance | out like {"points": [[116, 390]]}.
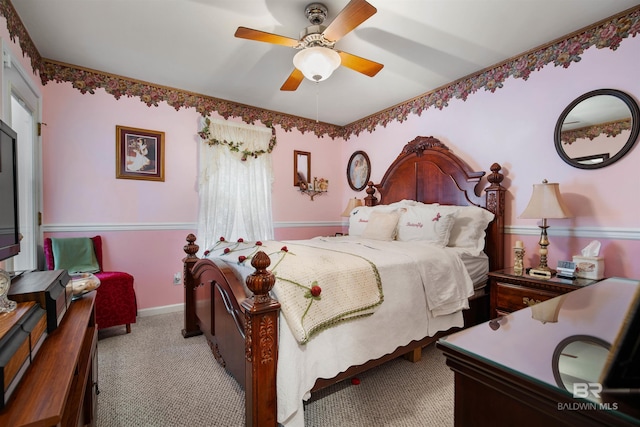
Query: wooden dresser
{"points": [[59, 387], [505, 373]]}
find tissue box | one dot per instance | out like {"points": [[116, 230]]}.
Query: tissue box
{"points": [[589, 267]]}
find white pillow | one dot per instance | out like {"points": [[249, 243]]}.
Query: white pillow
{"points": [[470, 227], [404, 202], [381, 226], [425, 223], [359, 217]]}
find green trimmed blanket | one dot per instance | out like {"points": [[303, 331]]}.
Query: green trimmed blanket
{"points": [[317, 287]]}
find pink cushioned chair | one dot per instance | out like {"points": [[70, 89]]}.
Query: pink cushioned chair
{"points": [[115, 298]]}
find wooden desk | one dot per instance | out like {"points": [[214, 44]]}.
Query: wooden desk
{"points": [[504, 369], [59, 388]]}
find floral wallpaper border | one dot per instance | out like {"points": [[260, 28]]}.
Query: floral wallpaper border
{"points": [[610, 129], [605, 34]]}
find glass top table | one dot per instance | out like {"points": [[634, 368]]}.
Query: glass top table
{"points": [[562, 343]]}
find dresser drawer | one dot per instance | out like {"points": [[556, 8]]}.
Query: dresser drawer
{"points": [[511, 297], [511, 292]]}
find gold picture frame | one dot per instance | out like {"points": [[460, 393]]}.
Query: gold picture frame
{"points": [[139, 154]]}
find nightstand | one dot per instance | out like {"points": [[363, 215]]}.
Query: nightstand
{"points": [[509, 292]]}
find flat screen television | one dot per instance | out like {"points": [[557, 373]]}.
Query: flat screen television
{"points": [[9, 219]]}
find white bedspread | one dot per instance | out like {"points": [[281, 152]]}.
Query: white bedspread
{"points": [[424, 286]]}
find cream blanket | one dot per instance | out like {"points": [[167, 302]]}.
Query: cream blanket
{"points": [[419, 280], [317, 287]]}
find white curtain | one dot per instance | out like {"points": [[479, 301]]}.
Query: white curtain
{"points": [[235, 195]]}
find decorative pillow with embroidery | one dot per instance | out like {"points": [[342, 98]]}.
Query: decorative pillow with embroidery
{"points": [[381, 226], [359, 217], [425, 223]]}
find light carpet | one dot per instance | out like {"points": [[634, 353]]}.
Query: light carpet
{"points": [[155, 377]]}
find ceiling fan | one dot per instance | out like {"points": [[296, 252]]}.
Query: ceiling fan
{"points": [[317, 57]]}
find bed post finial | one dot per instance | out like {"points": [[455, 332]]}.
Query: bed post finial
{"points": [[191, 327], [191, 249], [495, 177], [261, 345], [261, 281], [370, 200], [495, 194], [495, 191]]}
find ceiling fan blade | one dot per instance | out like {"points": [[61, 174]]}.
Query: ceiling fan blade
{"points": [[261, 36], [361, 65], [294, 80], [353, 14]]}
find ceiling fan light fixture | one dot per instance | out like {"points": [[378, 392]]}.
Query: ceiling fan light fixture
{"points": [[317, 63]]}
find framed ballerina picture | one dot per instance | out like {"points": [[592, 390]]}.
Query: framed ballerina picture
{"points": [[139, 154], [358, 170]]}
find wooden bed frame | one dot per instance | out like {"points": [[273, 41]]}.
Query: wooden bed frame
{"points": [[242, 332]]}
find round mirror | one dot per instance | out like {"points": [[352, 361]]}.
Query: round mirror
{"points": [[597, 129], [579, 359]]}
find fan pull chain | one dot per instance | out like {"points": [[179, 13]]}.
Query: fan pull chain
{"points": [[317, 102]]}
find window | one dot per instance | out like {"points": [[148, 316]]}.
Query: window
{"points": [[235, 194]]}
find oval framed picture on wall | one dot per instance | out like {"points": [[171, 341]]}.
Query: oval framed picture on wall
{"points": [[358, 170]]}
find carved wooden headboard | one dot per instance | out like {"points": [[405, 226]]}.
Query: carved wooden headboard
{"points": [[428, 172]]}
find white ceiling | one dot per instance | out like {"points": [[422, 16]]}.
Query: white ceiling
{"points": [[189, 45]]}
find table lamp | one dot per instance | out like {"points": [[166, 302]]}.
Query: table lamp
{"points": [[546, 202], [353, 203]]}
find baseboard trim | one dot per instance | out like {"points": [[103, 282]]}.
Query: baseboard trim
{"points": [[154, 311]]}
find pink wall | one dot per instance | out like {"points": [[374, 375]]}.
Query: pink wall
{"points": [[291, 206], [514, 126], [144, 223], [79, 148]]}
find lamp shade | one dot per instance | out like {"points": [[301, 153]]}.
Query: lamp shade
{"points": [[547, 311], [317, 63], [546, 202], [353, 203]]}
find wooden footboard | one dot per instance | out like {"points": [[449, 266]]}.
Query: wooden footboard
{"points": [[242, 332]]}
